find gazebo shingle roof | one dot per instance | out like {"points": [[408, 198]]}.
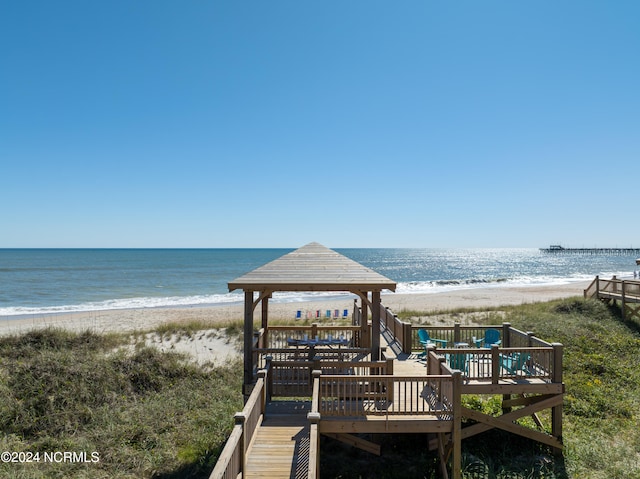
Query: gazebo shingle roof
{"points": [[312, 267]]}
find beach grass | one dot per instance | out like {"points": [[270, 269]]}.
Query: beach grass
{"points": [[139, 412], [152, 414], [192, 327]]}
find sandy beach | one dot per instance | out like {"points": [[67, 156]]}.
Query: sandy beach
{"points": [[131, 320]]}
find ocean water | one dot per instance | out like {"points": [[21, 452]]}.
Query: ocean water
{"points": [[40, 281]]}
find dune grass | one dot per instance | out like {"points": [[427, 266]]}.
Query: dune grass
{"points": [[231, 328], [146, 413]]}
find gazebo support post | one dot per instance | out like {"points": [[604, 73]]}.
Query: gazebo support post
{"points": [[248, 340], [364, 322], [375, 326], [265, 321]]}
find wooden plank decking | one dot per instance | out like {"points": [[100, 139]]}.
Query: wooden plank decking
{"points": [[280, 448]]}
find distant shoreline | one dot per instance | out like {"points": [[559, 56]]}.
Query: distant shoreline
{"points": [[142, 319]]}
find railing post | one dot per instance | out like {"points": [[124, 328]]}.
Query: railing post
{"points": [[495, 364], [355, 317], [269, 377], [456, 457], [315, 394], [317, 366], [456, 333], [392, 322], [314, 445], [441, 361], [314, 418], [624, 302], [264, 396], [431, 368], [506, 335], [530, 336], [389, 367], [240, 420], [556, 412], [407, 338]]}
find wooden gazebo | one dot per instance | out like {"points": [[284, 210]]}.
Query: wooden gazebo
{"points": [[312, 267]]}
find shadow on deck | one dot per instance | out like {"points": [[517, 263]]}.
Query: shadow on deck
{"points": [[280, 447]]}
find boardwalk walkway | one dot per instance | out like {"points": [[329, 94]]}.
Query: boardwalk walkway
{"points": [[627, 292], [280, 448]]}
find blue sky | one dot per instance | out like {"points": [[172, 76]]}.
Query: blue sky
{"points": [[227, 123]]}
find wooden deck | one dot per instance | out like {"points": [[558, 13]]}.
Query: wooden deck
{"points": [[280, 447], [343, 397]]}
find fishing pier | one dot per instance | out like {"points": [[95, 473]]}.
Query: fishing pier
{"points": [[557, 249]]}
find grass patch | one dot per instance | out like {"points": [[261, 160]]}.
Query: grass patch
{"points": [[148, 414]]}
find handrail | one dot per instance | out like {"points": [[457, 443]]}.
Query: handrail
{"points": [[293, 378], [613, 285], [614, 289], [229, 464], [314, 430], [306, 354], [592, 289], [384, 395], [400, 330], [461, 335], [278, 335], [497, 364], [232, 459]]}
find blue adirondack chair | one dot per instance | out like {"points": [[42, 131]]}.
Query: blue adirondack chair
{"points": [[491, 337], [515, 362], [426, 340], [458, 361]]}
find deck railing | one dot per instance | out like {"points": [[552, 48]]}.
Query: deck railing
{"points": [[294, 378], [520, 355], [465, 335], [348, 397], [279, 336], [232, 460], [385, 395], [625, 291], [613, 287], [262, 356], [400, 330], [499, 364]]}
